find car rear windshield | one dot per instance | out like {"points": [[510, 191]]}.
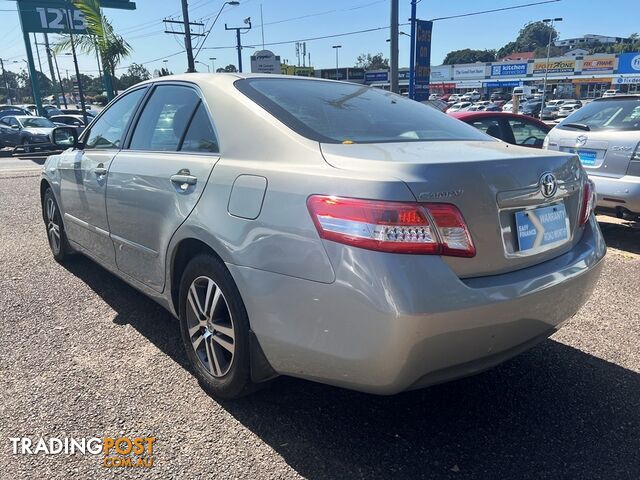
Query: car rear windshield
{"points": [[614, 114], [338, 112], [36, 122]]}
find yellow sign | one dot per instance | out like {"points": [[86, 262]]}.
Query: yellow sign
{"points": [[554, 67]]}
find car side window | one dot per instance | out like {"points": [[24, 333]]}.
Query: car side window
{"points": [[165, 118], [489, 126], [5, 121], [527, 133], [108, 131], [200, 136]]}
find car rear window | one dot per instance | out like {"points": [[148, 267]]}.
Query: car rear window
{"points": [[614, 114], [338, 112]]}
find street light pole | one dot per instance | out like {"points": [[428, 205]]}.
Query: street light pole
{"points": [[336, 48], [213, 63], [205, 64], [546, 67]]}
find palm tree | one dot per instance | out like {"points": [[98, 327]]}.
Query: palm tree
{"points": [[101, 39]]}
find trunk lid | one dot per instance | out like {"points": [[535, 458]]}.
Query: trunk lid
{"points": [[602, 153], [488, 181]]}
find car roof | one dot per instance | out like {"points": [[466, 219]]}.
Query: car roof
{"points": [[618, 98], [466, 116]]}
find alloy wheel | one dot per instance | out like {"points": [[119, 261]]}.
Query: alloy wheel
{"points": [[210, 325], [53, 227]]}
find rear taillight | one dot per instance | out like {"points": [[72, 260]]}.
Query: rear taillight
{"points": [[417, 228], [588, 201]]}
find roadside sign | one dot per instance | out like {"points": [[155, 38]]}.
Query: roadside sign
{"points": [[423, 59]]}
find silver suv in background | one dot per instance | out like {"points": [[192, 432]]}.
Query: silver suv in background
{"points": [[606, 136]]}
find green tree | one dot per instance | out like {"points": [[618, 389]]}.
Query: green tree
{"points": [[229, 69], [372, 62], [136, 73], [468, 55], [102, 38], [534, 35]]}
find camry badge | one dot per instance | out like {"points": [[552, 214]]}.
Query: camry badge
{"points": [[548, 185]]}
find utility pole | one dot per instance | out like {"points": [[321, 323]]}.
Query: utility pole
{"points": [[77, 68], [6, 82], [191, 66], [50, 62], [55, 59], [412, 52], [213, 63], [393, 73], [547, 21], [35, 41], [247, 21]]}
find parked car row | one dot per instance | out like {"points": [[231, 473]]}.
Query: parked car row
{"points": [[30, 133]]}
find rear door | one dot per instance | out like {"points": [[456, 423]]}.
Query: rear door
{"points": [[156, 182]]}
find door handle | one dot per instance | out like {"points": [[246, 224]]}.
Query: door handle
{"points": [[99, 171], [184, 179]]}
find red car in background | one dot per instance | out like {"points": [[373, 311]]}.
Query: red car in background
{"points": [[509, 127]]}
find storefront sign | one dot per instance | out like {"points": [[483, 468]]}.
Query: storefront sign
{"points": [[509, 69], [629, 63], [505, 84], [423, 60], [265, 61], [441, 73], [473, 71], [443, 85], [626, 80], [370, 77], [59, 16], [598, 64], [554, 67], [469, 84], [591, 80]]}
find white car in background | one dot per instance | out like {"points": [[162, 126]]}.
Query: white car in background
{"points": [[567, 109], [460, 107], [609, 93], [471, 96]]}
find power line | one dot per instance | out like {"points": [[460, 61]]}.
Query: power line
{"points": [[495, 10]]}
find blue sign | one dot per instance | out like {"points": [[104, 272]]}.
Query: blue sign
{"points": [[509, 69], [503, 84], [423, 60], [629, 63], [376, 77], [542, 226]]}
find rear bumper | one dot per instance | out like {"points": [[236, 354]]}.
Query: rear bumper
{"points": [[614, 193], [396, 322]]}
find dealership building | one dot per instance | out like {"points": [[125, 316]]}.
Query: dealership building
{"points": [[576, 77]]}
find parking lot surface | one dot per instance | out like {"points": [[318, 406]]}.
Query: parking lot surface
{"points": [[83, 354]]}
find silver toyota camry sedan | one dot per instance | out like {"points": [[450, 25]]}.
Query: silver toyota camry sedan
{"points": [[324, 230]]}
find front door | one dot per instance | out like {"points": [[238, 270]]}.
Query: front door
{"points": [[84, 178], [156, 182]]}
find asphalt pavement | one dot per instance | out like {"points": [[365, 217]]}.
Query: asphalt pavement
{"points": [[82, 354]]}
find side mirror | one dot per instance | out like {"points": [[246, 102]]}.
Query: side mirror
{"points": [[64, 137], [15, 127]]}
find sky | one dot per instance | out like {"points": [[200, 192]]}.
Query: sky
{"points": [[291, 20]]}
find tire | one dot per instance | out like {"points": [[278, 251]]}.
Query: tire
{"points": [[215, 328], [56, 235], [25, 146]]}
